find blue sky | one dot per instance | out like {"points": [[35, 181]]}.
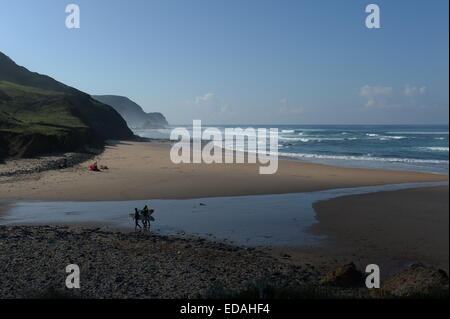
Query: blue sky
{"points": [[244, 61]]}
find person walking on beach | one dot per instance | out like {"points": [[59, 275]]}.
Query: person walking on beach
{"points": [[136, 219], [150, 218], [145, 219]]}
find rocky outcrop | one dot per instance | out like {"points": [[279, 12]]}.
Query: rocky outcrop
{"points": [[29, 144], [417, 280], [347, 276]]}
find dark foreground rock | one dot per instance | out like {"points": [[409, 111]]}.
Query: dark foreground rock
{"points": [[347, 276], [417, 281], [129, 265], [115, 264]]}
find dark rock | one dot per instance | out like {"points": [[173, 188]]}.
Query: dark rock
{"points": [[347, 276], [34, 256], [417, 280]]}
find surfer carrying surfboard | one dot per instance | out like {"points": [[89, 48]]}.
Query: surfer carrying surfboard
{"points": [[146, 218]]}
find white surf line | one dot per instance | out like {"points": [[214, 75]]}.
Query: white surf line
{"points": [[254, 220]]}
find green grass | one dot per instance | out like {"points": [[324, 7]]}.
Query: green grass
{"points": [[15, 90], [27, 109]]}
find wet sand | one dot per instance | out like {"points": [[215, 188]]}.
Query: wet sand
{"points": [[390, 229], [3, 208], [143, 170]]}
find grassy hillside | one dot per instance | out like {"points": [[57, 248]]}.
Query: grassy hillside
{"points": [[39, 115], [30, 108], [11, 72]]}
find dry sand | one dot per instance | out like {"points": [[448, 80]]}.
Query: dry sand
{"points": [[143, 170]]}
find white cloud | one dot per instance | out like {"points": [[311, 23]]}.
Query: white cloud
{"points": [[205, 99], [413, 91], [209, 102], [388, 97], [377, 96]]}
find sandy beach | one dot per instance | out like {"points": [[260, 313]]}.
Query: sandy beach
{"points": [[391, 229], [143, 170]]}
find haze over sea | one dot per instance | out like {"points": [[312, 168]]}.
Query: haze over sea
{"points": [[402, 147]]}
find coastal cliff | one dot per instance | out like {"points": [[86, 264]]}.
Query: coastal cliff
{"points": [[133, 113], [40, 115]]}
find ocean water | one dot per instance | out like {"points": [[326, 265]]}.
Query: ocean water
{"points": [[401, 147]]}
